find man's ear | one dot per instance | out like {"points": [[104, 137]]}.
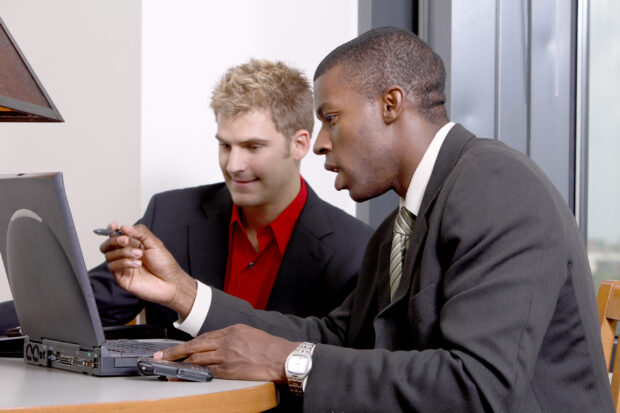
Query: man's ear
{"points": [[392, 103], [300, 144]]}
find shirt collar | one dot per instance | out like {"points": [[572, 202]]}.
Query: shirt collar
{"points": [[284, 224], [422, 174]]}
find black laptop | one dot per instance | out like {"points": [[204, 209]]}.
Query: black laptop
{"points": [[51, 291]]}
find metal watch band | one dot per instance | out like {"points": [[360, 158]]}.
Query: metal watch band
{"points": [[305, 348], [296, 383]]}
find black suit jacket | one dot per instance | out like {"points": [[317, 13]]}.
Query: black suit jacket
{"points": [[495, 311], [318, 269]]}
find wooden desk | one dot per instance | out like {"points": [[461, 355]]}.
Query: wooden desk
{"points": [[25, 388]]}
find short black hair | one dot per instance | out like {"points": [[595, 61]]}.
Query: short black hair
{"points": [[388, 56]]}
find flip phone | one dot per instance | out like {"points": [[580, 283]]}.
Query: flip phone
{"points": [[176, 369]]}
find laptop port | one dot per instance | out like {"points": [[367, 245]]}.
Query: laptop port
{"points": [[65, 359]]}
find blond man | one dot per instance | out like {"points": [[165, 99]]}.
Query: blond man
{"points": [[263, 235]]}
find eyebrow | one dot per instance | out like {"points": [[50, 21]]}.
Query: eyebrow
{"points": [[319, 112], [253, 139]]}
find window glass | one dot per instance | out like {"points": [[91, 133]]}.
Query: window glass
{"points": [[603, 220]]}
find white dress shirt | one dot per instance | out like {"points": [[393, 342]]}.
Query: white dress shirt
{"points": [[422, 174]]}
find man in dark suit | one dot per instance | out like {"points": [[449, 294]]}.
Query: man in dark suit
{"points": [[264, 235], [320, 260], [474, 295]]}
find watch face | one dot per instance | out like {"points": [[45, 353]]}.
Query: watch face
{"points": [[297, 364]]}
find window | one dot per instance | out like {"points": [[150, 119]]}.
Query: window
{"points": [[603, 159]]}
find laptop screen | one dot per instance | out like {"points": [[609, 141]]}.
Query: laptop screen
{"points": [[44, 263]]}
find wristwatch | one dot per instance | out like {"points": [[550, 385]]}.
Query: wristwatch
{"points": [[297, 367]]}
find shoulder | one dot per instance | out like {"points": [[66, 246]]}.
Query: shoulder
{"points": [[188, 204], [170, 210], [496, 187], [195, 192], [491, 165], [192, 196]]}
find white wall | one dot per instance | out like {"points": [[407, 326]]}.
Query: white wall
{"points": [[132, 80], [87, 56], [185, 50]]}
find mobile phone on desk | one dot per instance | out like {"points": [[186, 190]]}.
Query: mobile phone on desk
{"points": [[176, 369]]}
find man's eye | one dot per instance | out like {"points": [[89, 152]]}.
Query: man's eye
{"points": [[224, 146], [330, 118], [254, 147]]}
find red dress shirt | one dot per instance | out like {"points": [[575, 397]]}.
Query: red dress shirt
{"points": [[250, 275]]}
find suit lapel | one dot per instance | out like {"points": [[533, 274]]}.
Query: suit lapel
{"points": [[304, 256], [446, 159], [208, 240], [448, 155]]}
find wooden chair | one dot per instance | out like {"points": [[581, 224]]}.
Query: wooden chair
{"points": [[608, 300]]}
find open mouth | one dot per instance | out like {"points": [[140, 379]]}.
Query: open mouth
{"points": [[339, 180], [331, 168]]}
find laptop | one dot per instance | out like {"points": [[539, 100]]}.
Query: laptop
{"points": [[51, 291]]}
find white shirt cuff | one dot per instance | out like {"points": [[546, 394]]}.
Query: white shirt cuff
{"points": [[198, 314]]}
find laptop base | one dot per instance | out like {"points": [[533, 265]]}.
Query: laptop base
{"points": [[60, 355]]}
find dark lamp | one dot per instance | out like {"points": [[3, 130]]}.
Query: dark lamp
{"points": [[22, 96]]}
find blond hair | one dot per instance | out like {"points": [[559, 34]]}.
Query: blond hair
{"points": [[267, 85]]}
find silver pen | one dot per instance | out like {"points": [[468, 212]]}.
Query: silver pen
{"points": [[107, 233]]}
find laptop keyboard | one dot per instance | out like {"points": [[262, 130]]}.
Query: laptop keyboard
{"points": [[136, 347]]}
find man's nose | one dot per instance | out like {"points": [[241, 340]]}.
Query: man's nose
{"points": [[323, 143], [236, 161]]}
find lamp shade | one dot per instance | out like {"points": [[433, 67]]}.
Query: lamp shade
{"points": [[22, 96]]}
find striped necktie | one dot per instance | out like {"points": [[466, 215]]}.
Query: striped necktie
{"points": [[403, 227]]}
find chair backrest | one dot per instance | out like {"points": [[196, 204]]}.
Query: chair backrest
{"points": [[608, 300]]}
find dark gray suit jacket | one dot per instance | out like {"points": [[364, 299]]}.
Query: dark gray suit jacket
{"points": [[495, 311], [318, 270]]}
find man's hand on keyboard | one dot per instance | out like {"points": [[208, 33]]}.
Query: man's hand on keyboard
{"points": [[237, 352]]}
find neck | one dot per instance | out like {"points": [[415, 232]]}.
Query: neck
{"points": [[419, 137], [255, 217]]}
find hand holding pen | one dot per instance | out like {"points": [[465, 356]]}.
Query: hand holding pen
{"points": [[114, 230], [141, 264]]}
